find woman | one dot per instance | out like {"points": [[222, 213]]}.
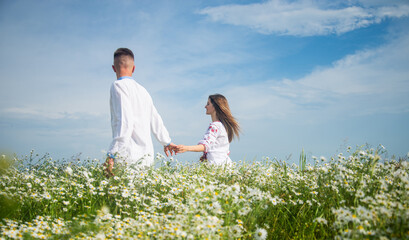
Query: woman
{"points": [[216, 142]]}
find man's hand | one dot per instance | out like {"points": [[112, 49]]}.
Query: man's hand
{"points": [[171, 148], [109, 165]]}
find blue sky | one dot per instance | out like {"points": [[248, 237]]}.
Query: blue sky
{"points": [[313, 75]]}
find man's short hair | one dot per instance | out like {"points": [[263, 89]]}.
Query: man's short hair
{"points": [[123, 52]]}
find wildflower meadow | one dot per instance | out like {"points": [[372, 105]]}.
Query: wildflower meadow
{"points": [[358, 195]]}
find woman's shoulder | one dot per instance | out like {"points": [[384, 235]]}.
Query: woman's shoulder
{"points": [[216, 126]]}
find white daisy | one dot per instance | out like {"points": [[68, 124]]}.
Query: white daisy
{"points": [[260, 234]]}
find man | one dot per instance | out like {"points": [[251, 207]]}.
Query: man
{"points": [[133, 118]]}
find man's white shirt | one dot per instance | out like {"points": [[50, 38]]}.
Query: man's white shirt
{"points": [[133, 118]]}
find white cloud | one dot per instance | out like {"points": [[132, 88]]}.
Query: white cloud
{"points": [[31, 113], [367, 82], [43, 114], [304, 18]]}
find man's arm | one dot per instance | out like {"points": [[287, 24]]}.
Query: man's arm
{"points": [[159, 130]]}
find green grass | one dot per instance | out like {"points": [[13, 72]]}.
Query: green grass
{"points": [[359, 196]]}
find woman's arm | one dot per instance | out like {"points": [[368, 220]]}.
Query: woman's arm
{"points": [[194, 148], [208, 140]]}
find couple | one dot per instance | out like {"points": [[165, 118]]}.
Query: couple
{"points": [[134, 117]]}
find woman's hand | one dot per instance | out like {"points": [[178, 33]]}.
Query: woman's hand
{"points": [[196, 148], [182, 148]]}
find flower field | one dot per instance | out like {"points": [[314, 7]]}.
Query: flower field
{"points": [[360, 195]]}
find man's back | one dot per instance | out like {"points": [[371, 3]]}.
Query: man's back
{"points": [[133, 117]]}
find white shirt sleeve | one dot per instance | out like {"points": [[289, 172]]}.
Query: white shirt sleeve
{"points": [[158, 128], [121, 120], [210, 137]]}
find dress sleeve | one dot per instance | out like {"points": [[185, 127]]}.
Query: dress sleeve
{"points": [[121, 119], [210, 137]]}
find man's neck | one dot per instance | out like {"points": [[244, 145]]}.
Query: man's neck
{"points": [[119, 75], [124, 77]]}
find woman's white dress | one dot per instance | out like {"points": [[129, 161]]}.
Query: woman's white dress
{"points": [[216, 143]]}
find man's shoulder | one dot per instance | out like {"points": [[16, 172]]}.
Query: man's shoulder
{"points": [[128, 84], [140, 87]]}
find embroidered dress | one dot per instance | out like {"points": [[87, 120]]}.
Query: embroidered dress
{"points": [[216, 143], [133, 118]]}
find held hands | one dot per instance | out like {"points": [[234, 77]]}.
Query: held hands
{"points": [[181, 148], [170, 149], [174, 149]]}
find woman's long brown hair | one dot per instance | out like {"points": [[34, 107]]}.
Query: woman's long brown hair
{"points": [[223, 113]]}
